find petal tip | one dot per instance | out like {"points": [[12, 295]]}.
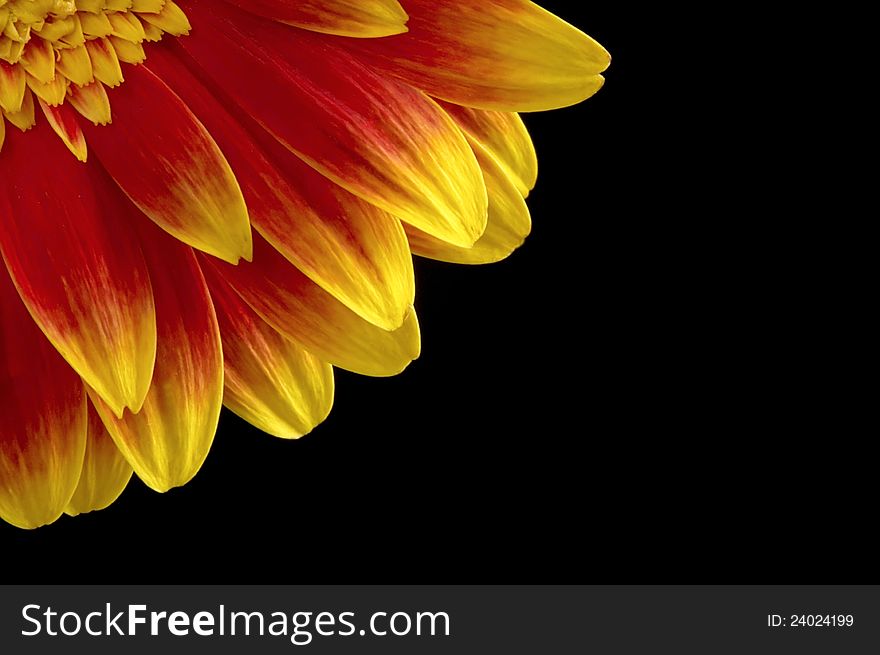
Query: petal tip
{"points": [[28, 522]]}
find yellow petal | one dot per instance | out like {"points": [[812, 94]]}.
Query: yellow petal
{"points": [[305, 313], [505, 137], [75, 65], [105, 473], [130, 52], [507, 55], [271, 382], [39, 60], [24, 119], [92, 102], [43, 426], [171, 19], [51, 92], [105, 63], [509, 222], [12, 87]]}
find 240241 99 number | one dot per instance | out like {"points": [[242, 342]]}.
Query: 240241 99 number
{"points": [[821, 620], [811, 621]]}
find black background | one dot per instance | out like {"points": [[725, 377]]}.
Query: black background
{"points": [[582, 412]]}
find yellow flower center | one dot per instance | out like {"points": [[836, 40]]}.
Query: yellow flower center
{"points": [[61, 50]]}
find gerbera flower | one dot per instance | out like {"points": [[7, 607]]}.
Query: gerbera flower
{"points": [[206, 203]]}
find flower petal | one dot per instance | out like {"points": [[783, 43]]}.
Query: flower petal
{"points": [[382, 140], [77, 266], [168, 164], [105, 473], [355, 18], [504, 135], [508, 55], [13, 83], [43, 431], [303, 312], [169, 439], [509, 222], [355, 251], [271, 382], [63, 120]]}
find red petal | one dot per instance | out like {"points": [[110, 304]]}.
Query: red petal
{"points": [[78, 265], [169, 165]]}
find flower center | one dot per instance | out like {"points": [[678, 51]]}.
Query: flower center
{"points": [[21, 19], [61, 50]]}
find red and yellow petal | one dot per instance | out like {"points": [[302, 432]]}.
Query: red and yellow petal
{"points": [[303, 312], [63, 121], [505, 137], [353, 250], [43, 431], [509, 222], [506, 55], [271, 382], [77, 265], [25, 118], [354, 18], [13, 84], [92, 102], [379, 139], [167, 441], [105, 473], [168, 164]]}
